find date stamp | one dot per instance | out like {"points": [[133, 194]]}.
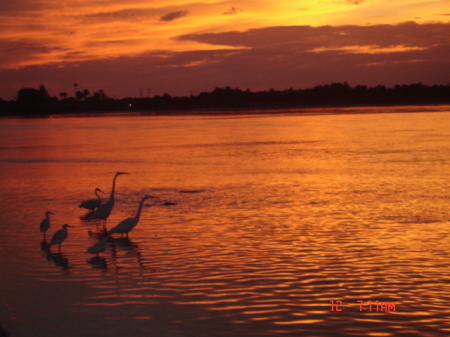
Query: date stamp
{"points": [[337, 305]]}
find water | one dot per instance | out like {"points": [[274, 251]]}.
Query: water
{"points": [[262, 221]]}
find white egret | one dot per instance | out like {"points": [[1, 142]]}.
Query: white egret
{"points": [[60, 236], [92, 204], [98, 247], [104, 210], [127, 225], [45, 224]]}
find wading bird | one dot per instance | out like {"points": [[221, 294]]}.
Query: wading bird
{"points": [[60, 236], [92, 204], [127, 225], [98, 247], [45, 224], [104, 210]]}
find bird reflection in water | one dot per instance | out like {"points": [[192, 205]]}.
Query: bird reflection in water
{"points": [[98, 262], [131, 248], [60, 260]]}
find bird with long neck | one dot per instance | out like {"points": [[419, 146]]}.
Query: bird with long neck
{"points": [[104, 210], [127, 225], [45, 224], [92, 204]]}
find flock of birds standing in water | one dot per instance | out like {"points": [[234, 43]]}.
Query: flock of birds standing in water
{"points": [[98, 211]]}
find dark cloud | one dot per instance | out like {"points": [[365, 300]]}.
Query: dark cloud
{"points": [[117, 15], [305, 38], [16, 51], [232, 11], [174, 15]]}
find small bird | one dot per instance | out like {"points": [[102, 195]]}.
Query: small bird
{"points": [[45, 224], [127, 225], [92, 204], [60, 236], [98, 247]]}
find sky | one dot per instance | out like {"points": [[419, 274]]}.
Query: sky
{"points": [[129, 48]]}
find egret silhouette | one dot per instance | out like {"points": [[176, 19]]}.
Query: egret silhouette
{"points": [[92, 204], [45, 224], [98, 247], [104, 210], [127, 225], [60, 236]]}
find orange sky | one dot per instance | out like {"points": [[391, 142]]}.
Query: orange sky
{"points": [[179, 46]]}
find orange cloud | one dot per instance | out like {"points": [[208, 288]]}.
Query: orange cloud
{"points": [[174, 15]]}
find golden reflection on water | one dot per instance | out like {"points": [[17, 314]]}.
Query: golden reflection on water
{"points": [[261, 222]]}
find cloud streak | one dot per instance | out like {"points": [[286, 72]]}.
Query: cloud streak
{"points": [[174, 15]]}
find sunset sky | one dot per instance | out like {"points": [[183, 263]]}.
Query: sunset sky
{"points": [[181, 47]]}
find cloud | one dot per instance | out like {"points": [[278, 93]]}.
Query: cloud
{"points": [[112, 16], [233, 10], [304, 38], [174, 15], [349, 2], [16, 51]]}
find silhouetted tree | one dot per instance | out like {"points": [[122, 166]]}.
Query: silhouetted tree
{"points": [[33, 96], [98, 96], [86, 93]]}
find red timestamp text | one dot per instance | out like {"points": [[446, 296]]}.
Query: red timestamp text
{"points": [[337, 305]]}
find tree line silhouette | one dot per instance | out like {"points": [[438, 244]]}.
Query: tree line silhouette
{"points": [[30, 101]]}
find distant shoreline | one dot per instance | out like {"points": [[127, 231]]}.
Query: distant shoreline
{"points": [[38, 103]]}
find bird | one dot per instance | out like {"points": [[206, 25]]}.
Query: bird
{"points": [[45, 224], [92, 204], [60, 236], [104, 210], [98, 247], [127, 225]]}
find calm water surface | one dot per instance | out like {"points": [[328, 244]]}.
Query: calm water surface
{"points": [[262, 221]]}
